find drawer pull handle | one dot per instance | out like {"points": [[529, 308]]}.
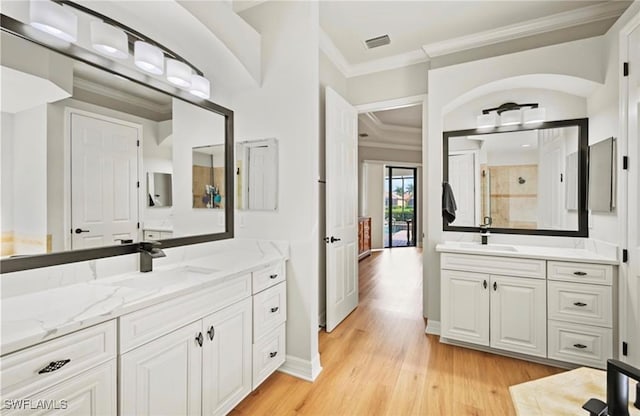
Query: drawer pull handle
{"points": [[199, 339], [580, 273], [581, 304], [273, 354], [495, 286], [274, 309], [580, 346], [273, 276], [54, 365], [211, 332]]}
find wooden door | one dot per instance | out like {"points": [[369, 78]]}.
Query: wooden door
{"points": [[226, 377], [163, 377], [465, 306], [519, 315], [104, 181], [341, 208]]}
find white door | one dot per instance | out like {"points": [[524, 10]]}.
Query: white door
{"points": [[163, 377], [91, 393], [519, 315], [104, 182], [341, 208], [262, 180], [551, 198], [632, 292], [465, 306], [463, 180], [226, 377]]}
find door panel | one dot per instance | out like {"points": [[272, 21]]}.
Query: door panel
{"points": [[341, 208], [463, 180], [465, 306]]}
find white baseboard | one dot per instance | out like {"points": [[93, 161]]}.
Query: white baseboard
{"points": [[304, 369], [433, 327]]}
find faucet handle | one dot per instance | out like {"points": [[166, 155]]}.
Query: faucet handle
{"points": [[486, 221], [596, 407]]}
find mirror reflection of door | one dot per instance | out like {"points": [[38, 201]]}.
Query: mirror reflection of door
{"points": [[464, 179], [104, 181], [400, 207]]}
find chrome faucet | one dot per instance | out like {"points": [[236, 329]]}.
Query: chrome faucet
{"points": [[484, 230], [149, 250], [618, 374]]}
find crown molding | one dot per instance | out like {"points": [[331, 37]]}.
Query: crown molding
{"points": [[333, 53], [584, 15], [401, 60], [392, 127], [386, 145]]}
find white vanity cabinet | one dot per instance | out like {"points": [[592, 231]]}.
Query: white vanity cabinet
{"points": [[501, 311], [74, 374]]}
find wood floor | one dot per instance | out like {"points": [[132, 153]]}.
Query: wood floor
{"points": [[380, 362]]}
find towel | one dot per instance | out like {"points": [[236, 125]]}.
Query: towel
{"points": [[449, 206]]}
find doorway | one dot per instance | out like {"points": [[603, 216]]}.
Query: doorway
{"points": [[400, 208]]}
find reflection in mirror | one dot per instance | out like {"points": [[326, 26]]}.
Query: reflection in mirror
{"points": [[524, 179], [208, 176], [159, 190], [257, 175], [77, 144]]}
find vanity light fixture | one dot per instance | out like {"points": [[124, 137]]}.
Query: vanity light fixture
{"points": [[511, 114], [109, 40], [485, 121], [200, 86], [534, 115], [179, 73], [54, 19], [148, 57], [511, 117]]}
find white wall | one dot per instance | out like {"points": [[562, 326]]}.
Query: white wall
{"points": [[394, 83], [451, 87], [373, 189], [287, 107], [6, 178]]}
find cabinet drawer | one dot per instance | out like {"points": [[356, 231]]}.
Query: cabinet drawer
{"points": [[28, 371], [269, 276], [580, 344], [150, 323], [580, 303], [580, 272], [269, 309], [151, 235], [506, 266], [268, 354]]}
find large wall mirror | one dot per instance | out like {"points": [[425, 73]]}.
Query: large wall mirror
{"points": [[94, 155], [519, 180]]}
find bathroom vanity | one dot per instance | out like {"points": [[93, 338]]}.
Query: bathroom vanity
{"points": [[537, 302], [193, 337]]}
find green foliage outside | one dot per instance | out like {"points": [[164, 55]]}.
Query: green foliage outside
{"points": [[400, 213]]}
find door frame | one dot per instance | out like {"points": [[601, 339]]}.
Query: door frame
{"points": [[389, 169], [68, 112], [623, 178]]}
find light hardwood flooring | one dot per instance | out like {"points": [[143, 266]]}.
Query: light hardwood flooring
{"points": [[380, 362]]}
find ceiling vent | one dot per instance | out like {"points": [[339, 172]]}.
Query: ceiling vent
{"points": [[377, 41]]}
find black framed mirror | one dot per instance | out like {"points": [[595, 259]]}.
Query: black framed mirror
{"points": [[519, 179], [77, 92]]}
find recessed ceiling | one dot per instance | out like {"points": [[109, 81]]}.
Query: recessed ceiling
{"points": [[396, 128], [405, 116]]}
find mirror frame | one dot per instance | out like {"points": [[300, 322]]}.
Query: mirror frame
{"points": [[583, 146], [27, 262]]}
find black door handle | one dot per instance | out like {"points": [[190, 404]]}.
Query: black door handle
{"points": [[211, 332], [275, 309], [484, 284], [495, 286], [80, 230], [273, 354], [199, 338], [331, 239], [273, 276]]}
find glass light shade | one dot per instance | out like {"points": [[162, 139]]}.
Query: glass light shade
{"points": [[511, 117], [109, 40], [54, 19], [179, 73], [149, 58], [534, 115], [200, 87], [485, 121]]}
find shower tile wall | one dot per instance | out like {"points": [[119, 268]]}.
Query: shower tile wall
{"points": [[514, 196]]}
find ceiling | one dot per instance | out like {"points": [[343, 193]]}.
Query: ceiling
{"points": [[399, 128]]}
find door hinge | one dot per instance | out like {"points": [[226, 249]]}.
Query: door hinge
{"points": [[625, 69], [625, 162], [625, 348], [138, 225], [625, 255], [138, 184], [138, 143]]}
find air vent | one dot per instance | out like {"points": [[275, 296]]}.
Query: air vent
{"points": [[377, 41]]}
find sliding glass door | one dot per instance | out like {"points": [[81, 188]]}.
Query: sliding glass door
{"points": [[400, 207]]}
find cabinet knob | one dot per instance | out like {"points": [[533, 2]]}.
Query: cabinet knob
{"points": [[211, 332], [273, 354], [199, 339], [273, 276], [484, 284], [54, 366], [495, 286], [581, 304], [274, 309], [580, 346], [580, 273]]}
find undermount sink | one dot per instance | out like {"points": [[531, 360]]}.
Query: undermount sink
{"points": [[488, 247], [164, 277]]}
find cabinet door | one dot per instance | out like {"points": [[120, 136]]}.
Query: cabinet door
{"points": [[91, 393], [518, 315], [163, 377], [465, 306], [226, 379]]}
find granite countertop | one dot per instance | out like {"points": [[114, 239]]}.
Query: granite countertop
{"points": [[564, 393], [39, 316], [533, 252]]}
